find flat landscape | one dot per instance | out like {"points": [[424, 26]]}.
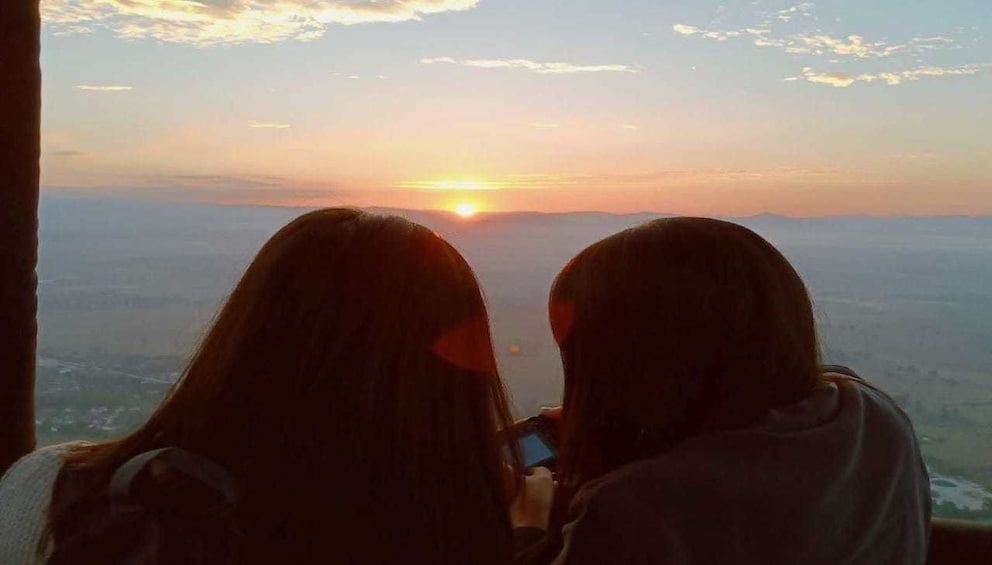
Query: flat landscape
{"points": [[127, 287]]}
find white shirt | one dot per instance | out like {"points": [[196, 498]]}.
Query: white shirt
{"points": [[25, 494]]}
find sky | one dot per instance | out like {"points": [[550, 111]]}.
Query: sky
{"points": [[702, 107]]}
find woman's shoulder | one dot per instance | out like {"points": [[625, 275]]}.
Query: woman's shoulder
{"points": [[834, 424], [870, 402], [28, 483], [25, 493], [36, 466]]}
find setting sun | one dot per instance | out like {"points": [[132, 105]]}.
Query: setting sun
{"points": [[466, 209]]}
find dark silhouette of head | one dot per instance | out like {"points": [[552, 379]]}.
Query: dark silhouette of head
{"points": [[673, 329], [349, 384]]}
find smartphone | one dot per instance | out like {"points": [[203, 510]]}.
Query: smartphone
{"points": [[537, 450], [537, 439]]}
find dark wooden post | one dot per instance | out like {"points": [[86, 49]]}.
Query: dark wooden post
{"points": [[20, 149]]}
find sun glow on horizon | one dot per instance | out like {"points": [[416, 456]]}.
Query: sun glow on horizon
{"points": [[466, 209]]}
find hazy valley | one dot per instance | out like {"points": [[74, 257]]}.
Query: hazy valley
{"points": [[126, 288]]}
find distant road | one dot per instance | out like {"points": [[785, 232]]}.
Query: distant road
{"points": [[58, 363]]}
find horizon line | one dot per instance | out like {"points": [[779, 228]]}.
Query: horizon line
{"points": [[148, 198]]}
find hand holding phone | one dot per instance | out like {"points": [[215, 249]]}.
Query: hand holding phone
{"points": [[532, 506]]}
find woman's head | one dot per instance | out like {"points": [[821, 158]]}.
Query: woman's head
{"points": [[356, 323], [672, 329], [349, 383]]}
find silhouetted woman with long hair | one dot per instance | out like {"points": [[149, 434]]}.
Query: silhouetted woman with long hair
{"points": [[343, 408], [698, 425]]}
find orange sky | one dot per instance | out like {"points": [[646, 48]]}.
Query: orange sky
{"points": [[702, 108]]}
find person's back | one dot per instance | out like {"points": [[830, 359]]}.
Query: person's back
{"points": [[347, 392], [697, 424], [838, 479]]}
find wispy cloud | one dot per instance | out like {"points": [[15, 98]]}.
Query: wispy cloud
{"points": [[544, 125], [435, 60], [854, 46], [858, 46], [66, 153], [784, 30], [843, 80], [532, 66], [455, 184], [718, 35], [638, 180], [355, 77], [689, 30], [915, 156], [267, 125], [797, 11], [70, 29], [209, 22], [213, 182], [104, 87]]}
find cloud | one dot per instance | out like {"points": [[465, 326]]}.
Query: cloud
{"points": [[69, 29], [915, 156], [774, 31], [354, 77], [66, 153], [434, 60], [213, 181], [629, 126], [532, 66], [844, 80], [799, 10], [839, 80], [103, 88], [722, 35], [770, 33], [683, 29], [210, 22], [218, 189], [686, 29], [648, 180], [454, 184], [915, 74], [267, 125], [544, 125], [853, 46]]}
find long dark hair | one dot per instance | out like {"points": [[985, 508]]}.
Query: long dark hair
{"points": [[349, 385], [673, 329]]}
